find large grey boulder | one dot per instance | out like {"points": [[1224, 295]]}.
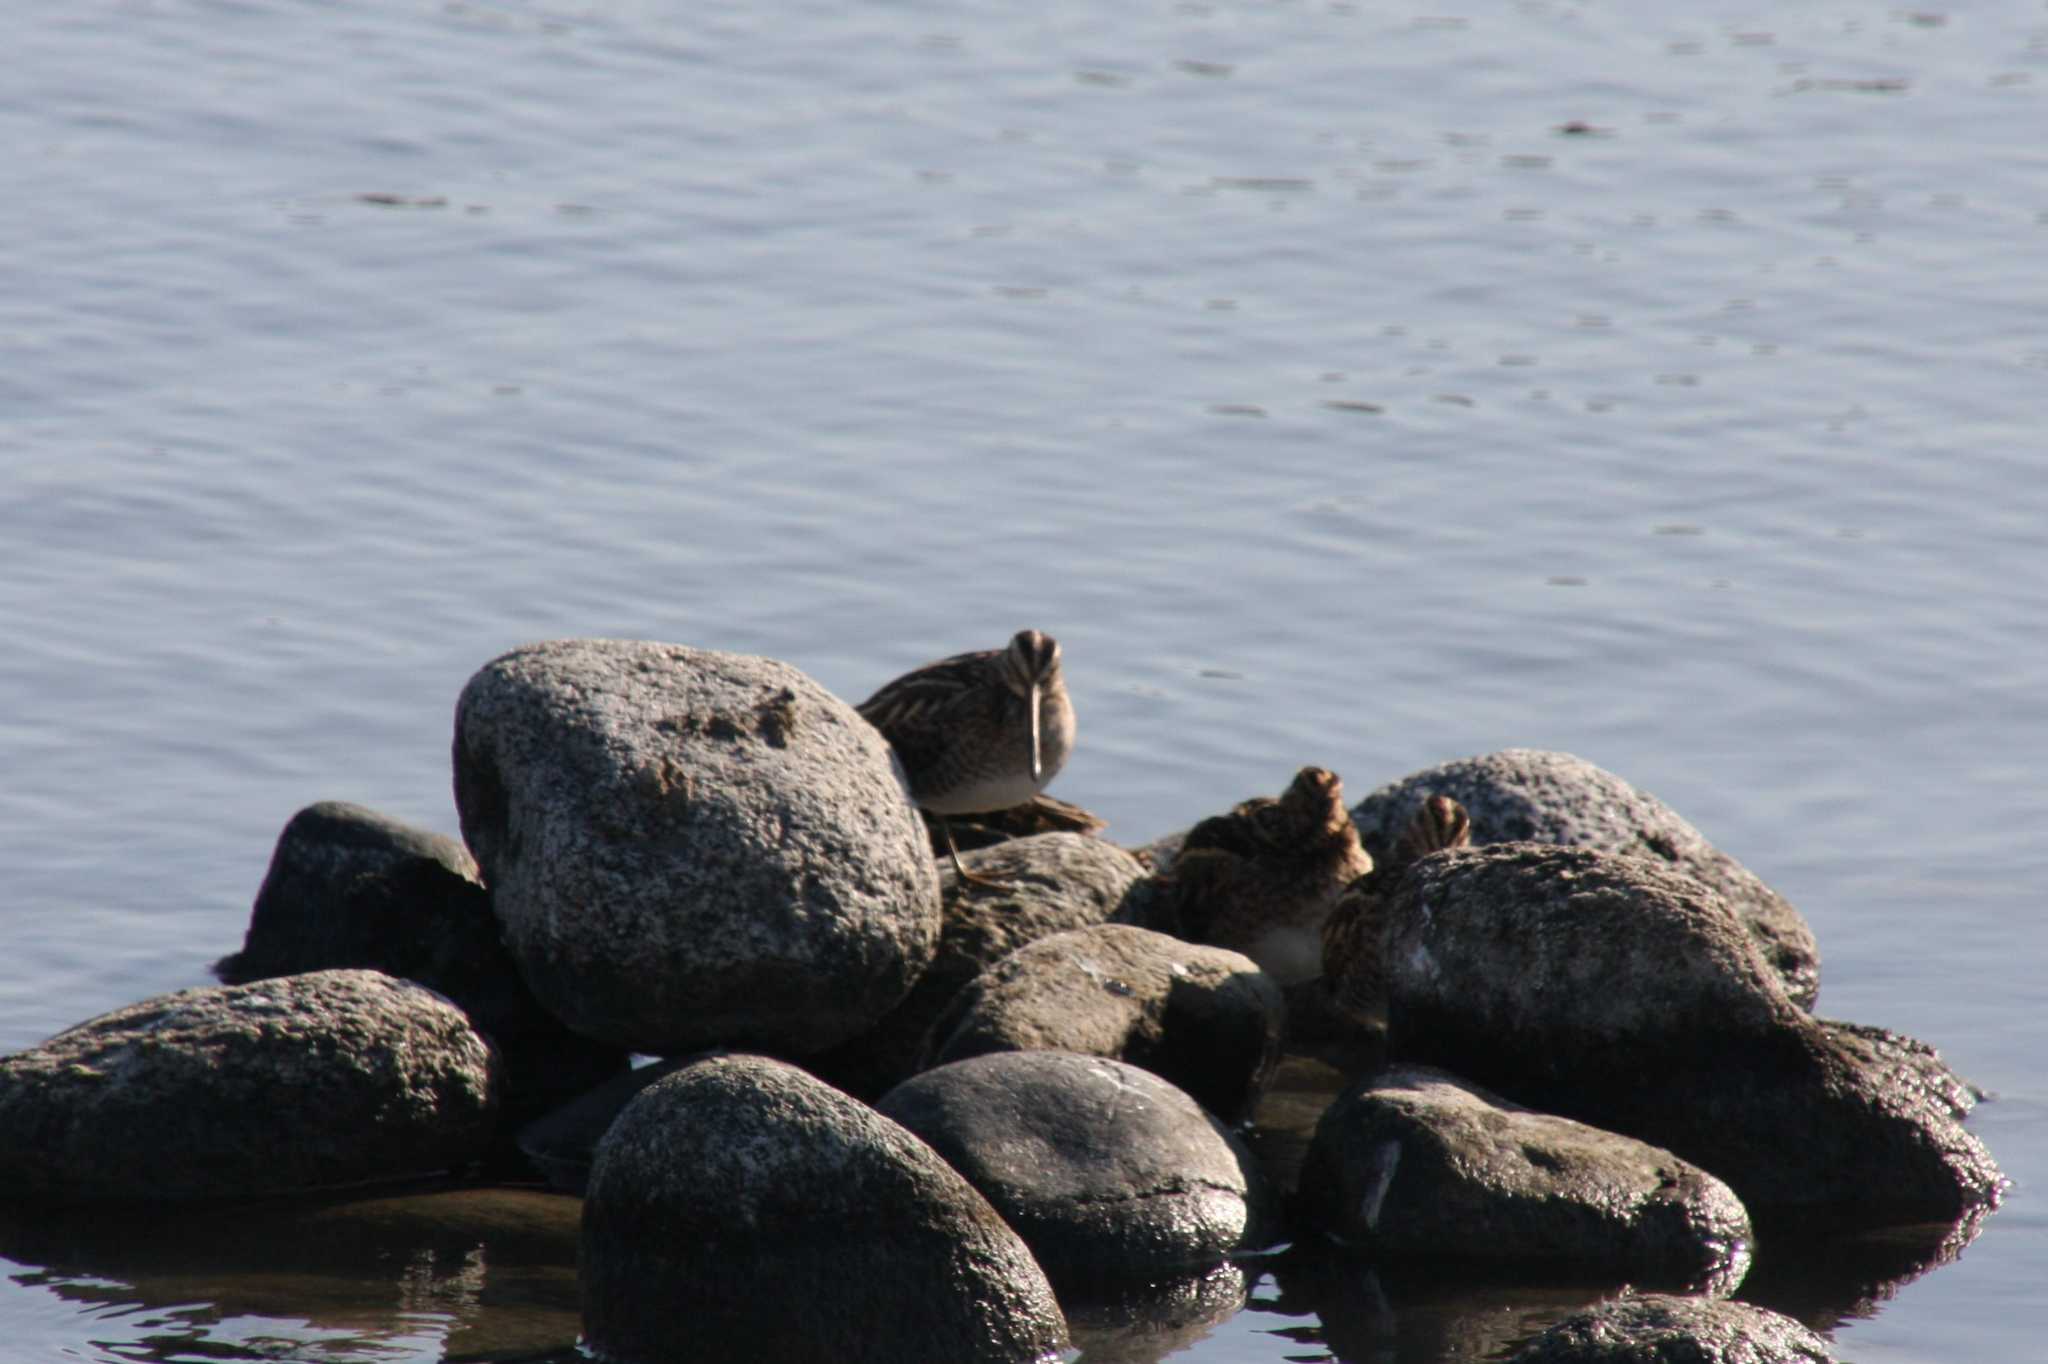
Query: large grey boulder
{"points": [[1415, 1163], [351, 888], [689, 848], [1107, 1171], [1656, 1328], [741, 1209], [283, 1086], [1625, 994], [1037, 886], [1205, 1018], [1526, 795]]}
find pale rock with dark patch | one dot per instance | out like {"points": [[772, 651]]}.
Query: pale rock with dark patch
{"points": [[1038, 886], [1657, 1328], [1617, 991], [689, 848], [351, 888], [290, 1085], [1526, 795], [1107, 1171], [1416, 1163], [1205, 1018], [741, 1209]]}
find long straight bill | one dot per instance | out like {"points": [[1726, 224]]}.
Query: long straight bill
{"points": [[1037, 764]]}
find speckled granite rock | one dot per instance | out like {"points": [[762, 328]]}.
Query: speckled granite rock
{"points": [[287, 1085], [1654, 1328], [1045, 884], [741, 1209], [351, 888], [1106, 1170], [1535, 796], [1205, 1018], [1622, 993], [689, 848], [1417, 1163]]}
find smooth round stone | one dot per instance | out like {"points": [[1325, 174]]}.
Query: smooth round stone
{"points": [[1205, 1018], [1417, 1163], [689, 848], [283, 1086], [740, 1209], [1106, 1170]]}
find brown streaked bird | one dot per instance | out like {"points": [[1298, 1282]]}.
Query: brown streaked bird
{"points": [[978, 732], [1354, 936], [1261, 879]]}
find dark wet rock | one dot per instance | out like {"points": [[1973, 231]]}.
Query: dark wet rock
{"points": [[562, 1145], [1043, 885], [689, 848], [741, 1209], [282, 1086], [1107, 1171], [1416, 1164], [1205, 1018], [1535, 796], [350, 888], [1616, 991], [1656, 1328], [1144, 1322], [1262, 878]]}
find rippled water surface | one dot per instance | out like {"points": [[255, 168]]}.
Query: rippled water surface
{"points": [[1340, 383]]}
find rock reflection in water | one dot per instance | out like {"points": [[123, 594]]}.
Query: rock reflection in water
{"points": [[1824, 1281], [491, 1272], [1140, 1323]]}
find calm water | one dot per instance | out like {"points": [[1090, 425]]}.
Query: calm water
{"points": [[1340, 383]]}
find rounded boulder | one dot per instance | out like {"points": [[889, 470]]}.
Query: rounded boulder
{"points": [[287, 1085], [1416, 1163], [1533, 795], [1107, 1171], [740, 1209], [689, 848], [1205, 1018]]}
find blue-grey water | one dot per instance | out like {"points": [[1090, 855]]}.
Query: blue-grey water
{"points": [[1340, 382]]}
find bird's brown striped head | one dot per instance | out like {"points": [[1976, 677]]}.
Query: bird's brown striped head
{"points": [[1032, 659]]}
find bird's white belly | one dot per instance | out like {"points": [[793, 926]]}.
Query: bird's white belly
{"points": [[982, 794]]}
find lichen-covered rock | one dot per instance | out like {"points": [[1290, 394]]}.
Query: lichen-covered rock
{"points": [[1656, 1328], [1205, 1018], [741, 1209], [282, 1086], [1039, 885], [350, 888], [1535, 796], [1616, 991], [1417, 1163], [1107, 1171], [689, 848]]}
